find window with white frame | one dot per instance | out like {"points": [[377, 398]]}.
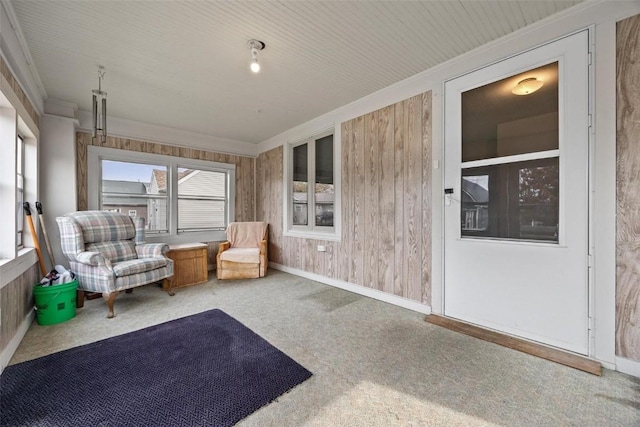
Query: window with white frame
{"points": [[18, 173], [312, 190], [182, 200], [19, 188]]}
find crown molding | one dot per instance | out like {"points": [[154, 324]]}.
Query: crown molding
{"points": [[24, 50]]}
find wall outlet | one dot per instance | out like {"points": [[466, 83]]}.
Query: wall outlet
{"points": [[322, 248]]}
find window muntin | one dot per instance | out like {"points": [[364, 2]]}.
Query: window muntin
{"points": [[311, 207], [510, 161]]}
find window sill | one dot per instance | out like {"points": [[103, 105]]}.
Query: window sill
{"points": [[187, 237], [312, 235], [11, 269]]}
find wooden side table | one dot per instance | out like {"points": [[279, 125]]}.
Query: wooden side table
{"points": [[189, 266]]}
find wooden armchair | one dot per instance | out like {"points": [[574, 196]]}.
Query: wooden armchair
{"points": [[244, 254]]}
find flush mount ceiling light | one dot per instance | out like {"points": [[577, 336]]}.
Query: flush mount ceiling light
{"points": [[527, 86], [99, 98], [255, 46]]}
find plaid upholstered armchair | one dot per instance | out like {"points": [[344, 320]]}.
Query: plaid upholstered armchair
{"points": [[108, 254]]}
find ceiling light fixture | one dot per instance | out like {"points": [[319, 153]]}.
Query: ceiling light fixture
{"points": [[99, 98], [527, 86], [255, 46]]}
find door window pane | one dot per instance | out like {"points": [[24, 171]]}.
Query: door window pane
{"points": [[324, 189], [201, 200], [300, 185], [511, 201], [506, 199], [498, 123], [138, 187]]}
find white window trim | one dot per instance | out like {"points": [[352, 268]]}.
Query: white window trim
{"points": [[311, 232], [20, 153], [95, 155]]}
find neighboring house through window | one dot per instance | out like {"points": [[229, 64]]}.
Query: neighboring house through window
{"points": [[182, 200]]}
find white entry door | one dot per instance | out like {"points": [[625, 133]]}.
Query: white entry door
{"points": [[516, 195]]}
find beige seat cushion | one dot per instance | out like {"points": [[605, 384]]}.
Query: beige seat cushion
{"points": [[244, 255]]}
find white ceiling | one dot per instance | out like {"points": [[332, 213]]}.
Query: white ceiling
{"points": [[185, 65]]}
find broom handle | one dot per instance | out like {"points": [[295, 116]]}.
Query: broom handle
{"points": [[45, 234], [27, 210]]}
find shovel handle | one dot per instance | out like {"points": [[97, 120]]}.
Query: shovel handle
{"points": [[39, 208], [27, 209]]}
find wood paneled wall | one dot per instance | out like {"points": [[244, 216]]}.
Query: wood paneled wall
{"points": [[244, 171], [16, 302], [386, 204], [17, 89], [628, 189]]}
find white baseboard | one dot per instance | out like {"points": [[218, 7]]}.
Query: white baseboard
{"points": [[368, 292], [607, 365], [7, 353], [627, 366]]}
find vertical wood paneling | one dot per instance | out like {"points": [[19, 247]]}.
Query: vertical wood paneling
{"points": [[331, 265], [398, 249], [83, 140], [413, 199], [628, 190], [386, 204], [371, 200], [16, 302], [386, 256], [343, 250], [276, 195], [426, 197], [356, 255], [269, 200]]}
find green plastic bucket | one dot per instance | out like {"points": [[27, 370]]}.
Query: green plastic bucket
{"points": [[56, 303]]}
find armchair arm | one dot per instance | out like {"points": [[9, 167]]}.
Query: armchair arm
{"points": [[94, 259], [263, 247], [223, 246], [150, 250]]}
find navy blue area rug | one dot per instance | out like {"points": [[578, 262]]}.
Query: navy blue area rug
{"points": [[203, 370]]}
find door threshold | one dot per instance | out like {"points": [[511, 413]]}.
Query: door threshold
{"points": [[539, 350]]}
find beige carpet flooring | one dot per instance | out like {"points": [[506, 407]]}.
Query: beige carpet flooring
{"points": [[374, 364]]}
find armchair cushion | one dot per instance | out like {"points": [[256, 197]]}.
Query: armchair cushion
{"points": [[140, 265], [245, 255]]}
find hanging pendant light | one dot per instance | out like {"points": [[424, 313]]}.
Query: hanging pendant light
{"points": [[99, 113], [255, 46]]}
